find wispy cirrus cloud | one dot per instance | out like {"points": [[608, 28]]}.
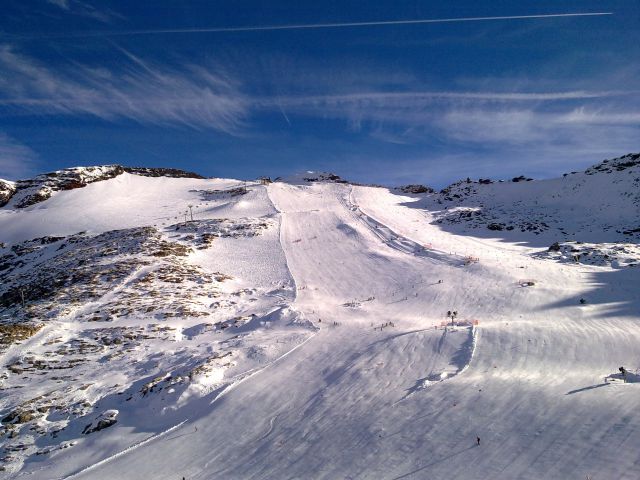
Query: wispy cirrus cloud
{"points": [[84, 9], [522, 126], [16, 159], [588, 116], [64, 4], [396, 110], [191, 95], [510, 118], [538, 131]]}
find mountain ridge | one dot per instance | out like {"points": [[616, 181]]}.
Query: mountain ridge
{"points": [[38, 189], [44, 185]]}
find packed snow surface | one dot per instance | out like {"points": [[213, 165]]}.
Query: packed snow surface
{"points": [[318, 329]]}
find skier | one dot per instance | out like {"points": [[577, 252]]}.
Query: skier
{"points": [[478, 440], [623, 371]]}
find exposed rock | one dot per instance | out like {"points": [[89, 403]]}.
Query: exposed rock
{"points": [[521, 178], [40, 188], [203, 232], [616, 164], [14, 332], [79, 268], [7, 190], [615, 255], [105, 420], [416, 189], [324, 177], [161, 172], [216, 194], [18, 417], [311, 176], [484, 205]]}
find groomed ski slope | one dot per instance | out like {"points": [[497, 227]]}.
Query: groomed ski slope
{"points": [[356, 401]]}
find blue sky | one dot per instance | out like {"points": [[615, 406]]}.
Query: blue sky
{"points": [[84, 82]]}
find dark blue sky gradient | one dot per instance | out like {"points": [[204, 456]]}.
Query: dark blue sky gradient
{"points": [[385, 104]]}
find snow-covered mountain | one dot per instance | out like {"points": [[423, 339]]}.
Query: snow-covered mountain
{"points": [[154, 323], [600, 204], [25, 193]]}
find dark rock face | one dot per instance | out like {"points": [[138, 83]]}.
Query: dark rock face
{"points": [[38, 196], [521, 178], [416, 189], [101, 425], [161, 172], [18, 417], [105, 420], [325, 177], [7, 190]]}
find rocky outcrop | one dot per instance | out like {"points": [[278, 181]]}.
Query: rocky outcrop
{"points": [[40, 188], [29, 192], [161, 172], [105, 420], [415, 189], [616, 164], [310, 177], [7, 190], [521, 178], [324, 177], [615, 255]]}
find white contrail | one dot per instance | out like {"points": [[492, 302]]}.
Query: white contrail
{"points": [[257, 28]]}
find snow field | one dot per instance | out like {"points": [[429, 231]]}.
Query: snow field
{"points": [[382, 390]]}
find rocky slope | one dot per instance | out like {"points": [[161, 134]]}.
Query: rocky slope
{"points": [[25, 193], [136, 318], [601, 204], [7, 190]]}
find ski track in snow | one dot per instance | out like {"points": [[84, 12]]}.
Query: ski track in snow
{"points": [[243, 377], [123, 452], [395, 240]]}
